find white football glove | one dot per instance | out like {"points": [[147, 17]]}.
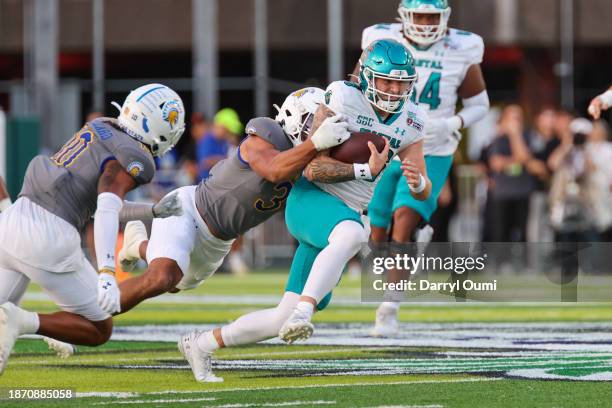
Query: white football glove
{"points": [[168, 206], [332, 132], [109, 297], [441, 128]]}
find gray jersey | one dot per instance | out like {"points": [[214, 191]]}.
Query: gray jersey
{"points": [[234, 199], [66, 184]]}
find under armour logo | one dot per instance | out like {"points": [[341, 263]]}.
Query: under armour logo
{"points": [[400, 131], [363, 173], [339, 140], [106, 285]]}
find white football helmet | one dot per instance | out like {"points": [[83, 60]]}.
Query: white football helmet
{"points": [[154, 115], [420, 33], [297, 112]]}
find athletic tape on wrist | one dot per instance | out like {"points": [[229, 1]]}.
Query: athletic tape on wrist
{"points": [[421, 186], [362, 171]]}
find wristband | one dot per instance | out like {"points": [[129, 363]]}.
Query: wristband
{"points": [[4, 204], [422, 184], [362, 171], [606, 98]]}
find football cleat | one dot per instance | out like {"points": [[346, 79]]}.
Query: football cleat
{"points": [[199, 361], [9, 331], [387, 324], [297, 327], [62, 349], [135, 232]]}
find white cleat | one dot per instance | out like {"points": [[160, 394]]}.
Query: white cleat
{"points": [[199, 361], [387, 324], [129, 255], [297, 327], [63, 350], [9, 331]]}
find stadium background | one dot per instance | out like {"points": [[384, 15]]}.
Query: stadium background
{"points": [[63, 59]]}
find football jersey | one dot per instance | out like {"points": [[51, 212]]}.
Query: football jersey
{"points": [[234, 199], [401, 129], [66, 184], [441, 69]]}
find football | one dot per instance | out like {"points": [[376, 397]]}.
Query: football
{"points": [[355, 149]]}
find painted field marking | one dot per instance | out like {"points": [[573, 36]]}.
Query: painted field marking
{"points": [[292, 387]]}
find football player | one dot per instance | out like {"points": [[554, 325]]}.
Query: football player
{"points": [[328, 219], [242, 191], [448, 66], [5, 199], [600, 103], [88, 176]]}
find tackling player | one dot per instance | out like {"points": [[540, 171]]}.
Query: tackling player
{"points": [[242, 191], [600, 103], [448, 67], [327, 219], [39, 233]]}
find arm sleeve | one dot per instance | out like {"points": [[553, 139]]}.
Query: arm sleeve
{"points": [[474, 108], [106, 227], [132, 211]]}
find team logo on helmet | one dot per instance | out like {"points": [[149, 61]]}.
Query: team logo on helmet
{"points": [[170, 113], [301, 92]]}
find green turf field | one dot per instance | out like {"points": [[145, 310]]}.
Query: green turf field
{"points": [[449, 355]]}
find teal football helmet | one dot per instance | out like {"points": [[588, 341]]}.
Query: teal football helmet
{"points": [[390, 61], [420, 33]]}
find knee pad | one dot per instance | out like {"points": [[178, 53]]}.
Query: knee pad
{"points": [[349, 234]]}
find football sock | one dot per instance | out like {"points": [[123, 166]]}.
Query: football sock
{"points": [[390, 305], [28, 322], [305, 309], [206, 342], [259, 325], [345, 241]]}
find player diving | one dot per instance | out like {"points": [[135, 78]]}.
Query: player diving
{"points": [[88, 176]]}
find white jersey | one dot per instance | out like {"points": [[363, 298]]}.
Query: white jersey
{"points": [[400, 129], [441, 69]]}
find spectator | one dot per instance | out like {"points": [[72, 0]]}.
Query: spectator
{"points": [[511, 183], [198, 127], [543, 141], [213, 147], [580, 194], [599, 152]]}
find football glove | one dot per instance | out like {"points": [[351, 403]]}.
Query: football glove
{"points": [[332, 132], [441, 128], [109, 297], [168, 206]]}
